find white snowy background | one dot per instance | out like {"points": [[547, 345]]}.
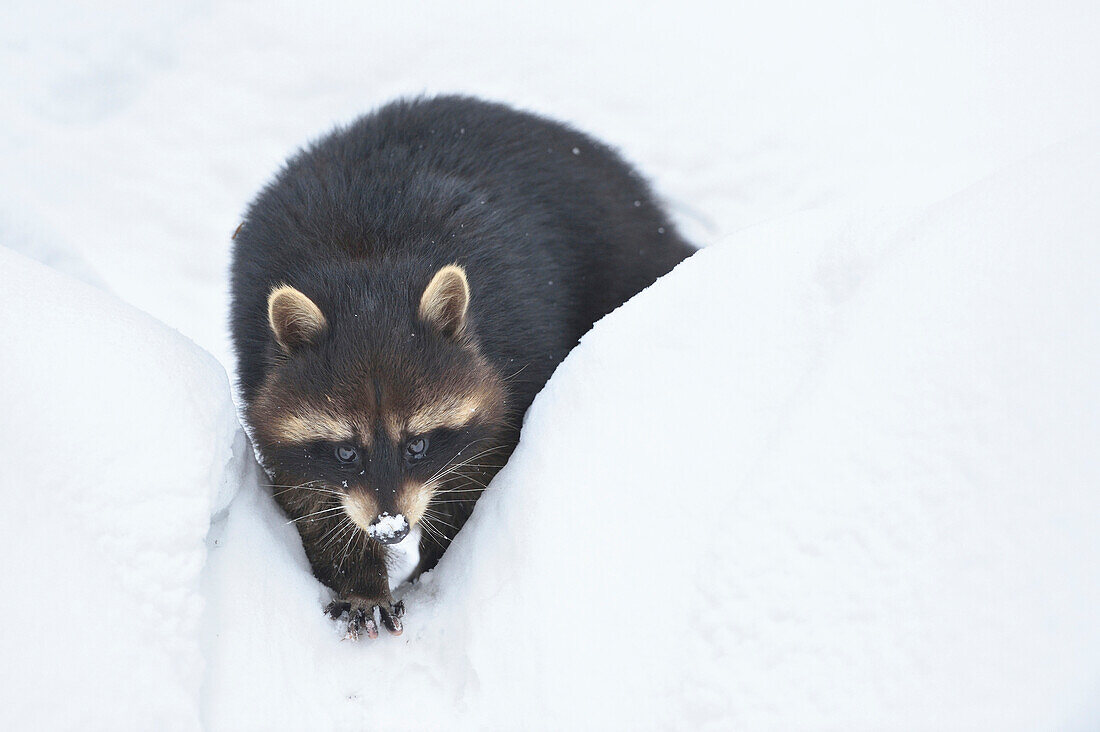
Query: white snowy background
{"points": [[839, 470]]}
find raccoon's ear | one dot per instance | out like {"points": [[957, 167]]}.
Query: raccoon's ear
{"points": [[294, 318], [443, 304]]}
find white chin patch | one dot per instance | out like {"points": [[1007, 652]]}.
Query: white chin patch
{"points": [[402, 557]]}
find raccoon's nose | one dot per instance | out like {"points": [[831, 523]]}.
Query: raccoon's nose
{"points": [[387, 529]]}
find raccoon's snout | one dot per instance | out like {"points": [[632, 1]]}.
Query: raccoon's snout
{"points": [[385, 521], [387, 529]]}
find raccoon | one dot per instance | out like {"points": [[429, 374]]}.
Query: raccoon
{"points": [[400, 292]]}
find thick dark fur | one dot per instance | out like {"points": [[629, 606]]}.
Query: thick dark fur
{"points": [[553, 231]]}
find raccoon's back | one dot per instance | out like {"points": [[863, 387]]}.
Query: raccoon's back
{"points": [[552, 227]]}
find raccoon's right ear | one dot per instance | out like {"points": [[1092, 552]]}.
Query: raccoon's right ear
{"points": [[294, 318]]}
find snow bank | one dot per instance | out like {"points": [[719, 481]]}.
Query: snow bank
{"points": [[139, 130], [838, 471], [823, 475], [832, 473], [118, 441], [827, 474]]}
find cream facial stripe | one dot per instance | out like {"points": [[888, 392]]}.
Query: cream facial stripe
{"points": [[361, 507], [450, 414], [311, 427], [413, 500]]}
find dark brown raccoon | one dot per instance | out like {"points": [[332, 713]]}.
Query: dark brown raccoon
{"points": [[401, 291]]}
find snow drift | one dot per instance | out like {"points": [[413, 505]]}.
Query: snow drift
{"points": [[838, 471], [119, 440], [813, 478], [825, 474]]}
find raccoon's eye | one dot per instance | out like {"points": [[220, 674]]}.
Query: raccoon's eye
{"points": [[346, 455], [416, 448]]}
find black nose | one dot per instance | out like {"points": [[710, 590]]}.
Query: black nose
{"points": [[387, 529]]}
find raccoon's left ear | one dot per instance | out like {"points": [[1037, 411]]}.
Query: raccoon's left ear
{"points": [[445, 299], [294, 318]]}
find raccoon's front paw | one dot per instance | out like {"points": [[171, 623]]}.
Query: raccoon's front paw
{"points": [[360, 615]]}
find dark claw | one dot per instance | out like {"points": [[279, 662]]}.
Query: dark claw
{"points": [[362, 621], [372, 629], [336, 608], [361, 617], [392, 620]]}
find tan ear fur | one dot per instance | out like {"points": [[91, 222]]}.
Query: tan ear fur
{"points": [[294, 318], [445, 300]]}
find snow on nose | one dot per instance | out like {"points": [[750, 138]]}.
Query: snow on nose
{"points": [[387, 529]]}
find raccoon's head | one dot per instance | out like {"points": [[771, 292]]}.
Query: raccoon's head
{"points": [[375, 408]]}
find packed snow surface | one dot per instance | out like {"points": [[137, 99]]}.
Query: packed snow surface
{"points": [[878, 444], [120, 441], [838, 470]]}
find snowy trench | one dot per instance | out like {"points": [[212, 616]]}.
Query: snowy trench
{"points": [[838, 470]]}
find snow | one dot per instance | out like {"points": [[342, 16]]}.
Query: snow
{"points": [[387, 527], [120, 441], [837, 471], [402, 558]]}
